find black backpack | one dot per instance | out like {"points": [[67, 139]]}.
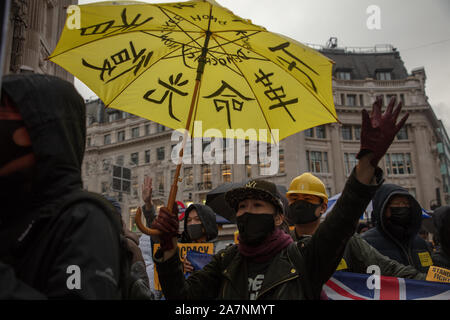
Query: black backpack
{"points": [[52, 213]]}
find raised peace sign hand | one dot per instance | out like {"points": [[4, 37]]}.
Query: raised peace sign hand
{"points": [[379, 130]]}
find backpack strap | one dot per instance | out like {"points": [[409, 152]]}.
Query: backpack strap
{"points": [[297, 259]]}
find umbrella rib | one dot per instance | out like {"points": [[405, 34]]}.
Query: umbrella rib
{"points": [[179, 26], [256, 97], [111, 36], [308, 89], [233, 41], [160, 59], [184, 18]]}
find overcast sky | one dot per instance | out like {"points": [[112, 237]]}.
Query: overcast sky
{"points": [[419, 29]]}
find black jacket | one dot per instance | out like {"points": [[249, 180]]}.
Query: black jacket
{"points": [[295, 273], [359, 255], [208, 219], [413, 250], [441, 221], [40, 249]]}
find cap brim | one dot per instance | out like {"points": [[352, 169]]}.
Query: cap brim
{"points": [[233, 197]]}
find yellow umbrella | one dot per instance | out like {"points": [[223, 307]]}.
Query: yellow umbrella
{"points": [[176, 63]]}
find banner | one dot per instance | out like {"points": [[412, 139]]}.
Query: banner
{"points": [[354, 286], [184, 248]]}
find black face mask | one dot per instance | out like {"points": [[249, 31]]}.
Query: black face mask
{"points": [[302, 212], [195, 231], [254, 228], [9, 149], [400, 216]]}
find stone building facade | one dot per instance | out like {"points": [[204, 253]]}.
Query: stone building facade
{"points": [[144, 147], [33, 32]]}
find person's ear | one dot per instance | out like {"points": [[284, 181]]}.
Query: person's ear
{"points": [[323, 208], [278, 219]]}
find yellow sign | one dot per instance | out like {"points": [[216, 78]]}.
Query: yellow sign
{"points": [[425, 259], [236, 235], [438, 274], [183, 249], [342, 265]]}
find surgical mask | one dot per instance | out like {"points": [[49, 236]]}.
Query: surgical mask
{"points": [[195, 231], [400, 216], [254, 228], [303, 212]]}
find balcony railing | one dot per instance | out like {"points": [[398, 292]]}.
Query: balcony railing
{"points": [[204, 185]]}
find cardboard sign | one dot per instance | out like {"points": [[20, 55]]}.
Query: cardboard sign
{"points": [[183, 249], [438, 274]]}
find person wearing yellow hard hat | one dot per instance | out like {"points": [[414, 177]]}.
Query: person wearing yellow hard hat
{"points": [[307, 200]]}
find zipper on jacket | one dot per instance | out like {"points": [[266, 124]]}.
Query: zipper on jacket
{"points": [[274, 285]]}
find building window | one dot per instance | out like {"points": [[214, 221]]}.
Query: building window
{"points": [[357, 131], [317, 161], [361, 100], [398, 163], [160, 128], [114, 116], [342, 99], [402, 134], [89, 141], [402, 98], [107, 139], [160, 153], [321, 132], [188, 177], [160, 183], [121, 179], [147, 156], [343, 75], [347, 133], [350, 162], [309, 133], [147, 129], [135, 132], [226, 173], [383, 75], [134, 158], [282, 168], [389, 97], [351, 100], [248, 167], [206, 173], [119, 160], [120, 136]]}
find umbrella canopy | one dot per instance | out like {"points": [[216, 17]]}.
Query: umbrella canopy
{"points": [[216, 199], [144, 59], [176, 63]]}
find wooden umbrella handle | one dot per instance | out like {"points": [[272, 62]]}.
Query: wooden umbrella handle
{"points": [[140, 225]]}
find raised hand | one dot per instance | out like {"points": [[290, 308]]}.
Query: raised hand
{"points": [[147, 191], [168, 224], [379, 130]]}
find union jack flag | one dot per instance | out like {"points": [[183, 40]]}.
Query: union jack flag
{"points": [[354, 286]]}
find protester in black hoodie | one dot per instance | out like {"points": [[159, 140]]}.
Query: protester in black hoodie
{"points": [[398, 217], [199, 226], [49, 251], [441, 221]]}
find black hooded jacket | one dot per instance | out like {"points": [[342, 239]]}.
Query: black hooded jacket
{"points": [[441, 221], [411, 250], [41, 248], [208, 219]]}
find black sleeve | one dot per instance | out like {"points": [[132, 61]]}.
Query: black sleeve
{"points": [[85, 247], [326, 247]]}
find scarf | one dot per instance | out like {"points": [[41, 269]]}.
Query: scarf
{"points": [[265, 251]]}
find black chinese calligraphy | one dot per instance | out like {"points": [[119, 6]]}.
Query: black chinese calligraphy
{"points": [[170, 90], [104, 27], [112, 66], [225, 102], [275, 94], [182, 6], [213, 58], [293, 64]]}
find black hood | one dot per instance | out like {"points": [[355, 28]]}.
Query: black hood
{"points": [[54, 114], [380, 201], [441, 221], [207, 217]]}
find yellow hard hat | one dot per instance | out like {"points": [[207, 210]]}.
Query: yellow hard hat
{"points": [[307, 183]]}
